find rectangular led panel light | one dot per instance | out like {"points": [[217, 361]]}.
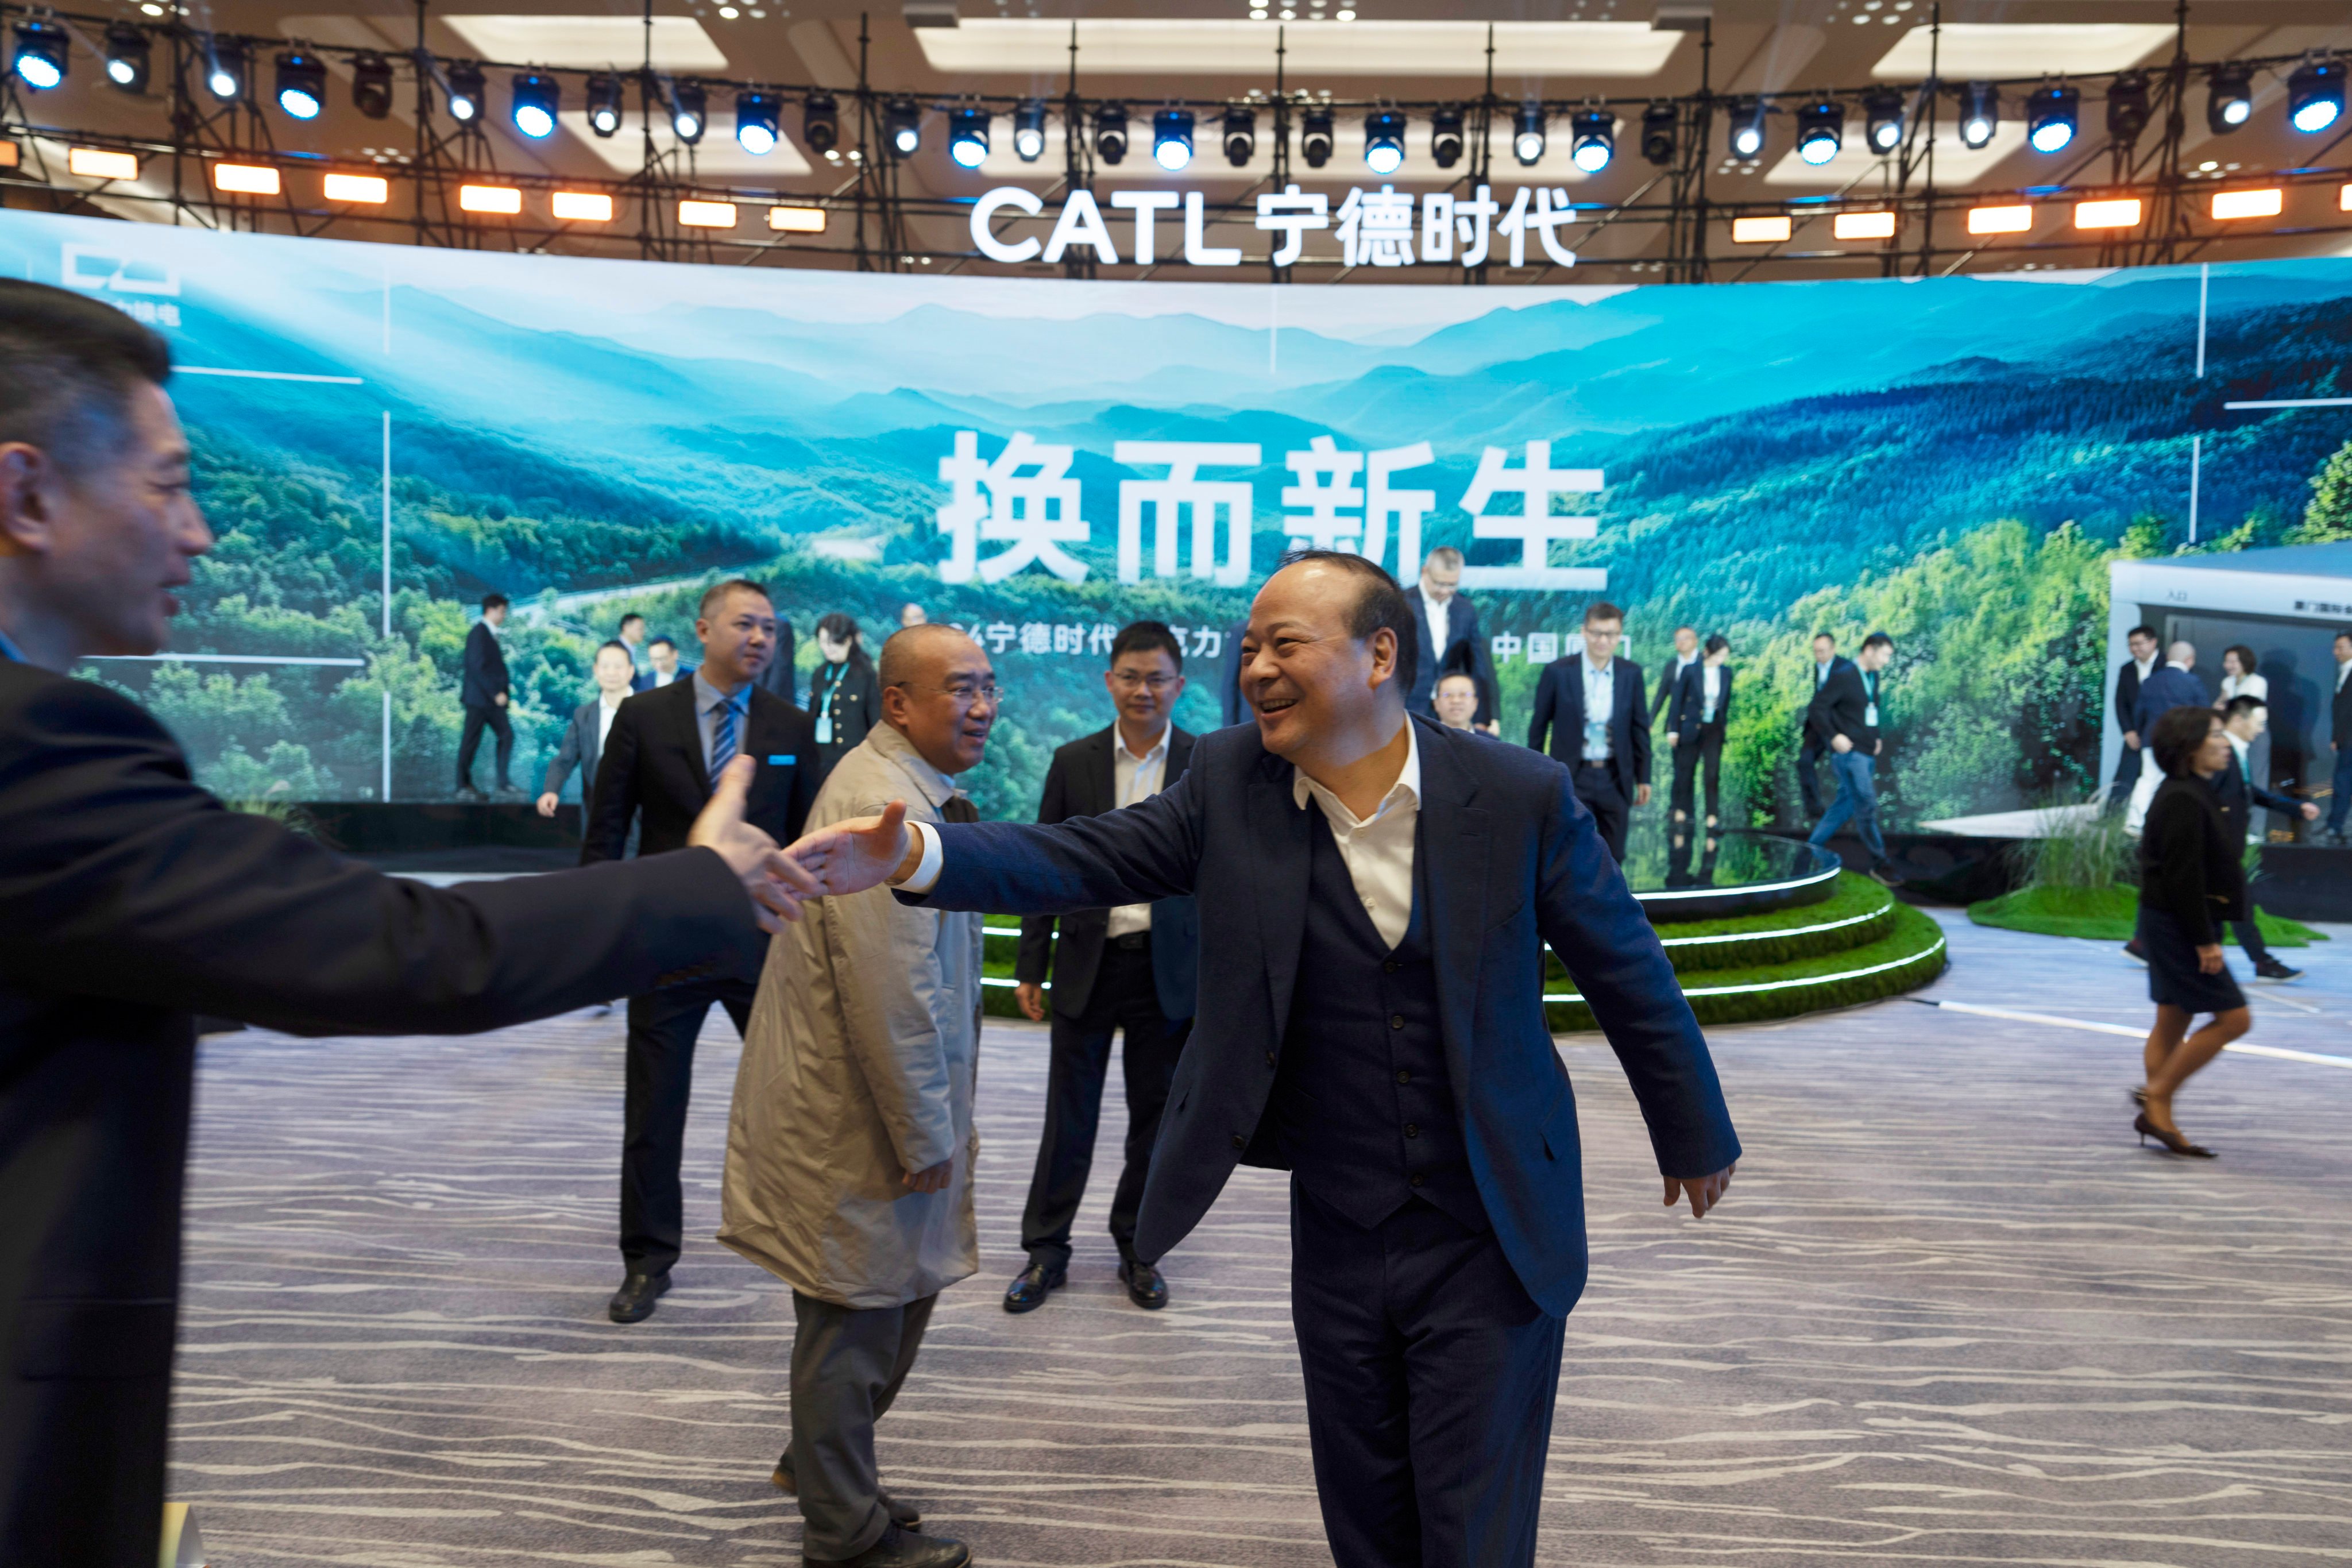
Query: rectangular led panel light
{"points": [[796, 220], [8, 154], [246, 179], [95, 163], [489, 199], [1864, 226], [370, 190], [707, 214], [582, 207], [2001, 220], [2344, 199], [1218, 45], [2121, 213], [1760, 230], [2249, 203]]}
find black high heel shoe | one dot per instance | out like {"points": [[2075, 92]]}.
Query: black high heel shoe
{"points": [[2172, 1142]]}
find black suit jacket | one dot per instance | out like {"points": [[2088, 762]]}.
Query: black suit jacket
{"points": [[2126, 707], [1432, 644], [1559, 709], [1690, 701], [2340, 714], [1841, 706], [581, 748], [1082, 781], [779, 675], [485, 679], [1670, 681], [647, 679], [2237, 796], [130, 900], [652, 764], [1821, 711], [1231, 705]]}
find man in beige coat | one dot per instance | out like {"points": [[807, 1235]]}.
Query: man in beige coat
{"points": [[850, 1149]]}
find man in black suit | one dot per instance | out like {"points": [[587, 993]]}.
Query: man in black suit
{"points": [[1131, 970], [1445, 632], [2340, 732], [1687, 657], [2236, 793], [1696, 723], [1592, 705], [1847, 709], [582, 746], [665, 748], [130, 899], [1815, 744], [666, 668], [2142, 643], [482, 693]]}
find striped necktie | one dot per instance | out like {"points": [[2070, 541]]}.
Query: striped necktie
{"points": [[722, 740]]}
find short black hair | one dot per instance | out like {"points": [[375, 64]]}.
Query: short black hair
{"points": [[1379, 603], [1826, 636], [2243, 704], [1877, 639], [493, 601], [614, 646], [1603, 610], [2176, 737], [1717, 643], [2148, 631], [633, 615], [68, 366], [664, 641], [716, 594], [1143, 637]]}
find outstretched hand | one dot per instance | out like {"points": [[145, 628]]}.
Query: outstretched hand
{"points": [[1704, 1192], [776, 884], [858, 853]]}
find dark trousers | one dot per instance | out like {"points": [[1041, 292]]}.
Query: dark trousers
{"points": [[1124, 999], [2250, 938], [2340, 789], [662, 1031], [1856, 802], [469, 740], [1596, 786], [83, 1457], [849, 1365], [2128, 768], [1808, 774], [1701, 755], [1430, 1382]]}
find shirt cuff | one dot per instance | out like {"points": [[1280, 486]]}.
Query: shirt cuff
{"points": [[926, 870]]}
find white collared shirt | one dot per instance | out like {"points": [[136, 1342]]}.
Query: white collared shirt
{"points": [[2343, 672], [1710, 689], [1135, 778], [2147, 666], [1378, 849], [1600, 707], [605, 708], [1435, 613]]}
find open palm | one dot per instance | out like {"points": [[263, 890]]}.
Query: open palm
{"points": [[857, 854]]}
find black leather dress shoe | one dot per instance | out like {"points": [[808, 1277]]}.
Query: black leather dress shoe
{"points": [[633, 1301], [1027, 1291], [897, 1549], [1145, 1288], [905, 1515]]}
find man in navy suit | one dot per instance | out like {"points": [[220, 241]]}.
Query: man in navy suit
{"points": [[482, 692], [1591, 704], [1376, 893], [2174, 686], [1829, 666], [1446, 627]]}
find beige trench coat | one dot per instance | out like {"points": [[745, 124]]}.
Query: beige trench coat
{"points": [[857, 1068]]}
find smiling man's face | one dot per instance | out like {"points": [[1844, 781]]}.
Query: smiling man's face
{"points": [[1305, 674]]}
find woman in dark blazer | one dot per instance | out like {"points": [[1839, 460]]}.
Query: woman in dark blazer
{"points": [[845, 697], [2190, 878]]}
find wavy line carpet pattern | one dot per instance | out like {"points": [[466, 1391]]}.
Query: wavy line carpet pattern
{"points": [[1950, 1315]]}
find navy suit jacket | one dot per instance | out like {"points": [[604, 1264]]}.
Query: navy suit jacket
{"points": [[1690, 701], [1511, 862], [1559, 708], [1461, 630], [2169, 688], [485, 677]]}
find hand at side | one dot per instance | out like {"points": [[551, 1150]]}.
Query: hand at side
{"points": [[934, 1180], [1704, 1192], [775, 883]]}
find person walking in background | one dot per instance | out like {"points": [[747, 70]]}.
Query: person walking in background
{"points": [[2173, 686], [583, 738], [631, 634], [1686, 656], [1131, 970], [850, 1146], [1849, 704], [2142, 643], [483, 691], [1698, 718], [662, 751], [780, 676], [663, 653], [2340, 732], [912, 614], [2238, 793], [1445, 627], [2240, 678], [1456, 700], [1590, 705], [845, 697], [2189, 879], [1818, 728]]}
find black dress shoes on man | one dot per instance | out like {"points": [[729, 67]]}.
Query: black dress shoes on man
{"points": [[1144, 1286], [633, 1301], [905, 1515], [898, 1549], [1027, 1291]]}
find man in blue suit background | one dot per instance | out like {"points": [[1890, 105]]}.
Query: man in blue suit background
{"points": [[1376, 892], [1590, 706]]}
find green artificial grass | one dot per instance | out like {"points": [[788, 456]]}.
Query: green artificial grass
{"points": [[2105, 914], [1857, 912]]}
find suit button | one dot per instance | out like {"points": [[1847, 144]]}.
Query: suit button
{"points": [[1412, 1130], [1240, 1142], [1390, 965], [1416, 1180], [1403, 1076], [1396, 1020]]}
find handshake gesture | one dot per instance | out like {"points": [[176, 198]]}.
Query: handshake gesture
{"points": [[847, 857]]}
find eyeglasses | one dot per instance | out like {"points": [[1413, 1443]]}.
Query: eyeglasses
{"points": [[967, 696], [1130, 680]]}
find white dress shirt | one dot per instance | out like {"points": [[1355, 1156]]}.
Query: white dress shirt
{"points": [[1600, 707], [1135, 778], [2245, 686], [2342, 672], [606, 706], [1378, 849], [1435, 613], [1710, 690]]}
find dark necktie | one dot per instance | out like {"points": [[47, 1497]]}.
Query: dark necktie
{"points": [[959, 808]]}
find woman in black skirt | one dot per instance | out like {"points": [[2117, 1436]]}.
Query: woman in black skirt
{"points": [[2190, 876]]}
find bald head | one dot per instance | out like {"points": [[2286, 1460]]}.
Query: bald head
{"points": [[938, 690], [916, 653], [2183, 654]]}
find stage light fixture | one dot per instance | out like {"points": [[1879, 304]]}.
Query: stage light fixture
{"points": [[537, 97], [820, 123], [1980, 112], [1591, 139], [1110, 133], [1384, 140], [2128, 107], [1528, 134], [302, 84], [706, 215], [1745, 122], [1172, 137], [127, 57], [605, 103], [1241, 136], [1881, 112], [757, 122], [902, 120], [98, 164], [362, 190], [581, 206], [1315, 138], [2050, 117], [1661, 123], [689, 112], [1446, 139], [796, 220], [2121, 213], [1821, 129], [246, 179], [372, 85], [2265, 203], [466, 91], [502, 199], [41, 55], [1028, 131], [2314, 95], [224, 68], [2014, 219], [968, 137], [1863, 225], [2229, 98], [1760, 230]]}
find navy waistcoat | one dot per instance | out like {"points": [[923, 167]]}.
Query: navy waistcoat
{"points": [[1362, 1108]]}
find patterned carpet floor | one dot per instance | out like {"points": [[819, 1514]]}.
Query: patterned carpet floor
{"points": [[1950, 1314]]}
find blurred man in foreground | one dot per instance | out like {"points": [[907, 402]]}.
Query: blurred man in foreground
{"points": [[131, 899]]}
